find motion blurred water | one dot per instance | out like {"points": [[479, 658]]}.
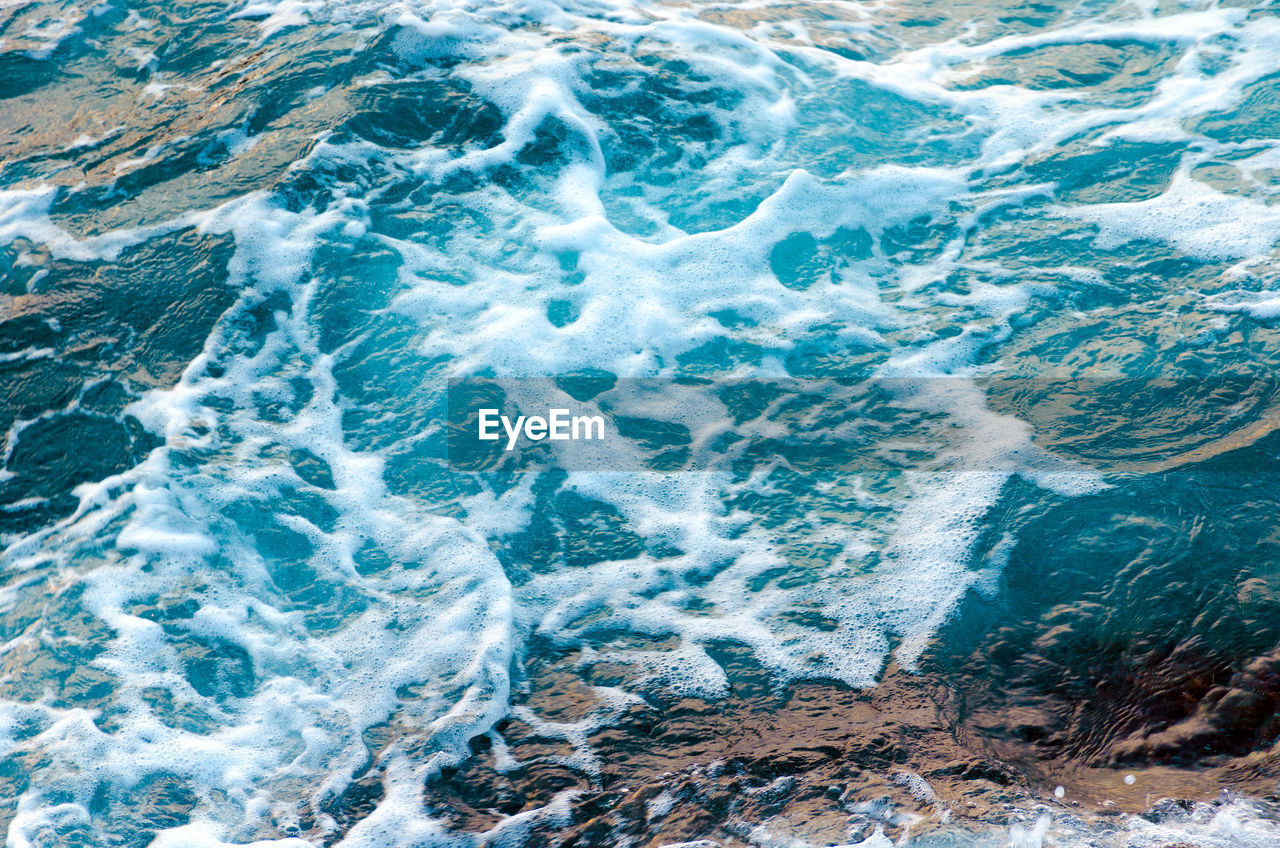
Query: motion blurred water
{"points": [[243, 249]]}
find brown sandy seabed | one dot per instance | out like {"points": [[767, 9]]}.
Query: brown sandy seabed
{"points": [[832, 763], [1179, 705]]}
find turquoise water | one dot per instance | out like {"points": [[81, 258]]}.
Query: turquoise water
{"points": [[977, 301]]}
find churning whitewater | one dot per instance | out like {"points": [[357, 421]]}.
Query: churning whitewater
{"points": [[249, 599]]}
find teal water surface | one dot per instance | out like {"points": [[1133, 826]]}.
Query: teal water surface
{"points": [[1008, 268]]}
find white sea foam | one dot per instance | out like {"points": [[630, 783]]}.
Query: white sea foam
{"points": [[1193, 217], [1263, 305], [439, 619]]}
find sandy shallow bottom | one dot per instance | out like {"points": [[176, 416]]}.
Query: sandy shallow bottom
{"points": [[823, 764]]}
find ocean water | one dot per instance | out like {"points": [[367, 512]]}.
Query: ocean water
{"points": [[970, 309]]}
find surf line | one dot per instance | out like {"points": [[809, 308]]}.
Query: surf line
{"points": [[558, 425]]}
